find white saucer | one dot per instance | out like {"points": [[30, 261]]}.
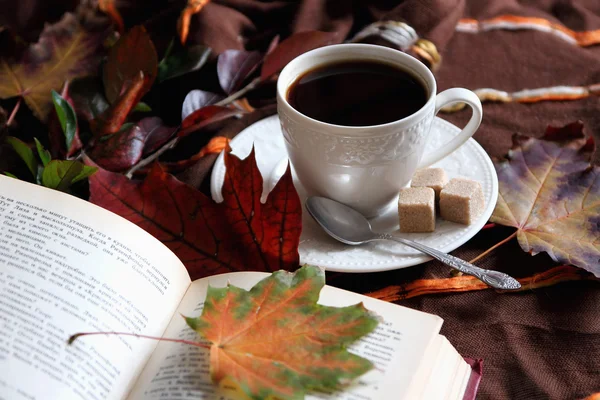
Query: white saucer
{"points": [[317, 248]]}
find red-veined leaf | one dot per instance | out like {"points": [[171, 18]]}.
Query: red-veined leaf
{"points": [[133, 53], [111, 120], [239, 234]]}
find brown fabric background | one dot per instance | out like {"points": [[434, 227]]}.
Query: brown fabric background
{"points": [[543, 344]]}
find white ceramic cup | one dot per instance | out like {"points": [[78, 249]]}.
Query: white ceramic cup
{"points": [[365, 166]]}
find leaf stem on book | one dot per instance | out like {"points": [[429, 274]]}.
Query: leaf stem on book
{"points": [[189, 342]]}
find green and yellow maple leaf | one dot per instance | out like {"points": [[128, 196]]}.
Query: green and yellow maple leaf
{"points": [[65, 50], [276, 342]]}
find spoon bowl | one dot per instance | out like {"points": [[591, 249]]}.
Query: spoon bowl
{"points": [[351, 227], [339, 221]]}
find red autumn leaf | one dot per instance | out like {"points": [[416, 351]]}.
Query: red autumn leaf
{"points": [[64, 51], [111, 120], [120, 151], [204, 116], [133, 53], [196, 99], [273, 45], [550, 192], [234, 66], [183, 23], [109, 7], [292, 47], [238, 234], [278, 328], [157, 133]]}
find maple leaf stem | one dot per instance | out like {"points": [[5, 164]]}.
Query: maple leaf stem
{"points": [[173, 142], [500, 243], [189, 342], [13, 114]]}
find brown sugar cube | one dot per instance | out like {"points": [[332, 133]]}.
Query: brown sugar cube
{"points": [[416, 209], [434, 178], [461, 201]]}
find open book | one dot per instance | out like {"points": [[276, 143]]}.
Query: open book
{"points": [[68, 266]]}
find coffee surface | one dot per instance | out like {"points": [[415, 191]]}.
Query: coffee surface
{"points": [[357, 93]]}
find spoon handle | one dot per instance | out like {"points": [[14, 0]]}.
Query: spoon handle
{"points": [[495, 279]]}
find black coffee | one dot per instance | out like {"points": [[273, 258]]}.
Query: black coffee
{"points": [[357, 93]]}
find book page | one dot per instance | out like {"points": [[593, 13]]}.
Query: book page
{"points": [[68, 266], [396, 348]]}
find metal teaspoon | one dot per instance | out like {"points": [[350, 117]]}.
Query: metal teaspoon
{"points": [[349, 226]]}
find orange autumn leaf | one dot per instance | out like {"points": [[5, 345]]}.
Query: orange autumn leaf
{"points": [[595, 396], [132, 54], [275, 341], [109, 8], [183, 23], [214, 146], [550, 192]]}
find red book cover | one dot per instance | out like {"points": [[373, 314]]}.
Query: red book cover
{"points": [[474, 379]]}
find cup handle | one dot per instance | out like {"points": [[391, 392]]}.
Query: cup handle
{"points": [[450, 96]]}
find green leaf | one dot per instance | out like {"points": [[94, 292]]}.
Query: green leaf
{"points": [[182, 61], [279, 329], [61, 174], [10, 175], [24, 152], [42, 152], [142, 107], [66, 117]]}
